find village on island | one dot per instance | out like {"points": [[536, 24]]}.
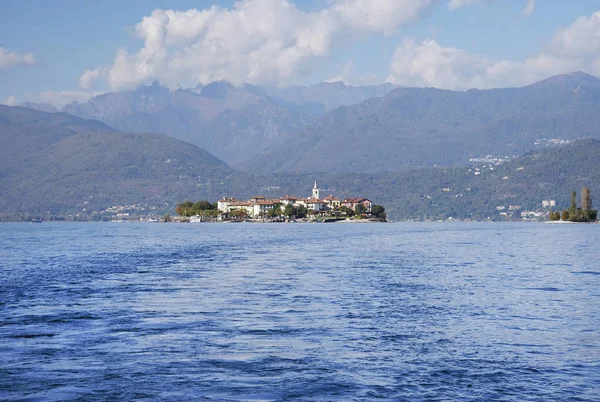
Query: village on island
{"points": [[285, 209]]}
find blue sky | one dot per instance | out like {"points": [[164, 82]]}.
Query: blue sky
{"points": [[47, 47]]}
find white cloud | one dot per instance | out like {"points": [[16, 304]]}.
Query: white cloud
{"points": [[576, 47], [344, 75], [429, 64], [9, 59], [381, 16], [9, 101], [256, 41], [61, 98], [528, 8], [87, 79], [455, 4]]}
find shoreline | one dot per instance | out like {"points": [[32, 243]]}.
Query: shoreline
{"points": [[347, 221], [568, 222]]}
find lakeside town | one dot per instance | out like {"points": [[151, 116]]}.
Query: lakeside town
{"points": [[284, 209]]}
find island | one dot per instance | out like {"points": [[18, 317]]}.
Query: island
{"points": [[585, 214], [284, 209]]}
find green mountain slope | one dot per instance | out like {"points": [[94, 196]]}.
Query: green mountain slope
{"points": [[61, 163], [461, 193], [440, 193]]}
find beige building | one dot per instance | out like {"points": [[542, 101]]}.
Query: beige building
{"points": [[353, 202]]}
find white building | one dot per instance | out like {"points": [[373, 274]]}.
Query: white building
{"points": [[223, 203], [316, 191]]}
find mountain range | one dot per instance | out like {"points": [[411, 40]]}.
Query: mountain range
{"points": [[56, 164], [419, 127], [59, 163], [331, 127], [280, 140], [233, 123]]}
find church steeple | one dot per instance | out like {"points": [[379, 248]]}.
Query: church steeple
{"points": [[316, 191]]}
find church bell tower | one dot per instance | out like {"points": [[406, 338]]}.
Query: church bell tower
{"points": [[316, 191]]}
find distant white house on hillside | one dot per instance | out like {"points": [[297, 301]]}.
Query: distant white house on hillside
{"points": [[548, 203]]}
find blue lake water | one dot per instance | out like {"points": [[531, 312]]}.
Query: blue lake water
{"points": [[299, 311]]}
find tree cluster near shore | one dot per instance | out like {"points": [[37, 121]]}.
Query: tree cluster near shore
{"points": [[298, 212], [203, 208], [575, 214]]}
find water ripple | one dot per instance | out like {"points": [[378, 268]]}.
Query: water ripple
{"points": [[310, 312]]}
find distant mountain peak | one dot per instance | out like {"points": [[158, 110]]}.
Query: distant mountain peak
{"points": [[582, 74], [218, 90], [42, 107], [154, 88], [332, 84], [572, 79]]}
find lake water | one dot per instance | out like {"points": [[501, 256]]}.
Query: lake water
{"points": [[299, 311]]}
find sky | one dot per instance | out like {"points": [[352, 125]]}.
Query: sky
{"points": [[71, 50]]}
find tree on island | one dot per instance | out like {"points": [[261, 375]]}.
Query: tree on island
{"points": [[346, 211], [301, 211], [378, 211], [586, 199], [288, 210], [360, 209], [276, 211], [295, 212], [583, 214], [564, 216], [183, 208], [203, 207]]}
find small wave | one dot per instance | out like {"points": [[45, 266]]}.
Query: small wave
{"points": [[546, 289], [28, 336]]}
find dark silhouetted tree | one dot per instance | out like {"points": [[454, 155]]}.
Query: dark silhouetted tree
{"points": [[574, 214], [378, 211], [586, 199], [301, 211], [289, 210], [573, 202], [202, 206]]}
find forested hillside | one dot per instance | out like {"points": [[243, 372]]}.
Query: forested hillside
{"points": [[422, 127], [55, 163], [470, 192]]}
